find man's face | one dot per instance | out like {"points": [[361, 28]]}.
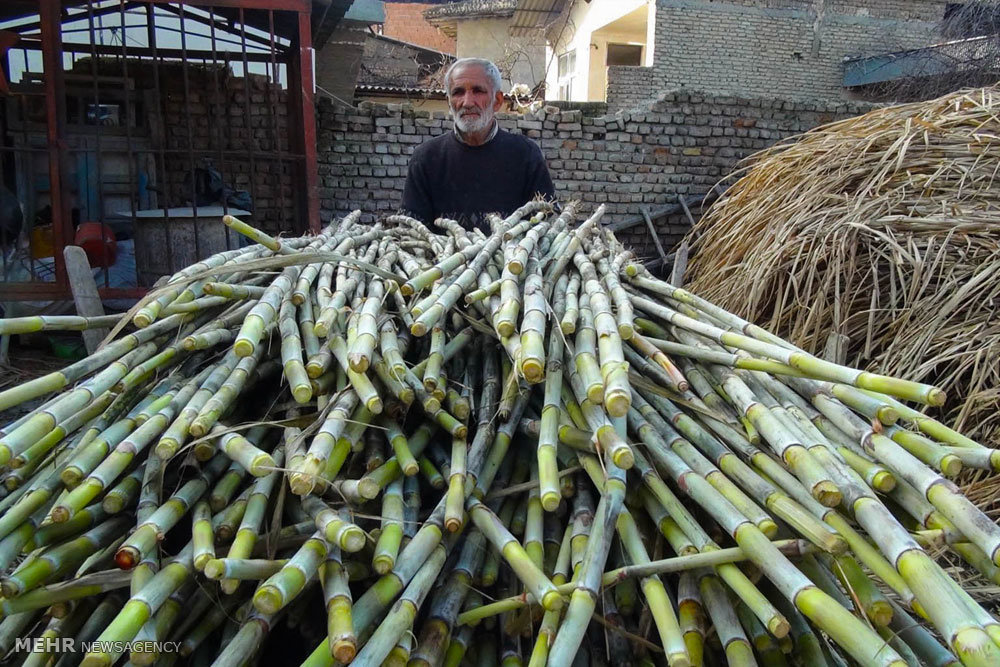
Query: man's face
{"points": [[471, 98]]}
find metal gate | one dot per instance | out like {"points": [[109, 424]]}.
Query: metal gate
{"points": [[147, 121]]}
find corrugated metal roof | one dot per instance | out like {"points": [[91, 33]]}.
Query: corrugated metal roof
{"points": [[533, 14], [471, 9]]}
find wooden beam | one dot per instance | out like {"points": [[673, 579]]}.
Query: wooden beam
{"points": [[88, 301]]}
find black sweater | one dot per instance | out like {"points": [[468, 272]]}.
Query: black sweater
{"points": [[450, 179]]}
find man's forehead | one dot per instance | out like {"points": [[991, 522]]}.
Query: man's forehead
{"points": [[469, 75]]}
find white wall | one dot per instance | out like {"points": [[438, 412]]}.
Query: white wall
{"points": [[585, 19], [490, 39]]}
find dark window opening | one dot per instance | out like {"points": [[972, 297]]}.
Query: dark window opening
{"points": [[629, 55]]}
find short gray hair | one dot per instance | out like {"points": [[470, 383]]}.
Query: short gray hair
{"points": [[491, 70]]}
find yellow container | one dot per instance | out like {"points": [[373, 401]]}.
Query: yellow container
{"points": [[41, 242]]}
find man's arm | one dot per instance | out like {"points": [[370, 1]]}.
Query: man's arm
{"points": [[416, 192]]}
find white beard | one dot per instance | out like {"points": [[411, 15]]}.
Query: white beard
{"points": [[473, 125]]}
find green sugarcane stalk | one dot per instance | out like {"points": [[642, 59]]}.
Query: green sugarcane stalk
{"points": [[60, 559], [391, 534], [126, 492], [373, 603], [448, 600], [148, 533], [141, 607], [285, 585], [336, 529]]}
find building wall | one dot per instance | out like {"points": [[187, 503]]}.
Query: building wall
{"points": [[583, 21], [338, 63], [523, 57], [786, 48], [405, 21], [682, 144]]}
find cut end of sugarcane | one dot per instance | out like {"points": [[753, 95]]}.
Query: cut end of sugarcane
{"points": [[778, 626], [568, 328], [383, 564], [343, 651], [142, 320], [9, 588], [375, 405], [595, 393], [936, 397], [112, 504], [883, 481], [880, 613], [550, 501], [418, 328], [453, 524], [353, 539], [617, 403], [71, 477], [768, 527], [972, 646], [213, 569], [301, 484], [626, 331], [950, 465], [678, 660], [262, 465], [243, 347], [368, 488], [268, 599], [505, 328], [887, 414], [60, 514], [166, 448], [127, 557], [533, 369], [827, 494], [302, 393], [201, 560], [552, 601], [623, 457]]}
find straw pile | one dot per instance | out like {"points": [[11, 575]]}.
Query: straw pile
{"points": [[883, 228]]}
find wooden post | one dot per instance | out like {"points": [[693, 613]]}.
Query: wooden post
{"points": [[836, 348], [85, 296], [680, 265]]}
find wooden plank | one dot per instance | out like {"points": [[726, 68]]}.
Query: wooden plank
{"points": [[85, 296], [836, 348], [652, 232], [680, 265]]}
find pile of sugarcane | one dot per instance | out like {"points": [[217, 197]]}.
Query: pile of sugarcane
{"points": [[476, 448]]}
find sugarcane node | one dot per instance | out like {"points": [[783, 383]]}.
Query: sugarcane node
{"points": [[453, 524]]}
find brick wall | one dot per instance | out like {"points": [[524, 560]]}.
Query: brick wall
{"points": [[682, 144], [791, 49], [242, 114], [405, 21]]}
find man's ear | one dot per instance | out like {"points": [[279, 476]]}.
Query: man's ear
{"points": [[498, 101]]}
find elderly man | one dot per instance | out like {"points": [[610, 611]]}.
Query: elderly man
{"points": [[478, 168]]}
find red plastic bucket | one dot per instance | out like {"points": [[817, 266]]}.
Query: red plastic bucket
{"points": [[98, 241]]}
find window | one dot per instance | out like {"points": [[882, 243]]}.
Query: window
{"points": [[629, 55], [566, 66]]}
